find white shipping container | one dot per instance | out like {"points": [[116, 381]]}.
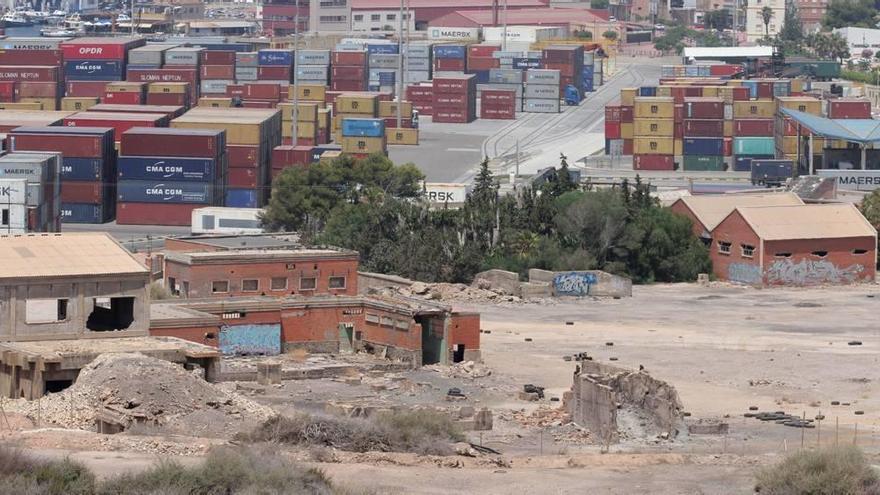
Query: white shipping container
{"points": [[13, 191], [312, 73], [541, 91], [414, 76], [219, 220], [441, 192], [853, 180], [542, 76], [13, 219], [418, 64], [530, 34], [313, 57], [215, 85], [384, 61], [413, 50], [541, 106], [246, 73], [453, 33]]}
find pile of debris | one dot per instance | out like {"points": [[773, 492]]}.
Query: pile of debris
{"points": [[134, 389], [457, 292], [466, 369]]}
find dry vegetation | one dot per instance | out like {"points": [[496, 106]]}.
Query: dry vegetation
{"points": [[842, 470]]}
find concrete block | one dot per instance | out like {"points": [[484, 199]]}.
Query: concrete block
{"points": [[531, 290], [268, 373], [498, 280], [536, 275], [528, 396], [591, 283], [708, 428]]}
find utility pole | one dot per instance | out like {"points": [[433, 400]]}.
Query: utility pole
{"points": [[399, 64], [131, 17], [295, 112], [504, 33]]}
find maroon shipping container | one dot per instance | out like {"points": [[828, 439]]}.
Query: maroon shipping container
{"points": [[234, 90], [483, 63], [390, 122], [498, 113], [226, 72], [193, 143], [82, 89], [343, 85], [286, 156], [563, 54], [32, 73], [169, 99], [179, 214], [740, 93], [849, 109], [704, 108], [567, 70], [424, 109], [482, 50], [693, 91], [703, 128], [274, 73], [171, 111], [460, 84], [348, 73], [727, 147], [39, 90], [188, 75], [450, 64], [626, 114], [678, 112], [31, 57], [789, 128], [753, 127], [8, 91], [247, 178], [218, 57], [349, 58], [99, 48], [653, 162], [612, 129], [243, 156], [82, 192], [452, 116], [259, 103], [612, 112], [120, 122], [449, 99], [678, 130], [70, 145], [678, 93], [115, 97], [421, 92], [765, 89], [627, 147], [500, 96], [262, 91]]}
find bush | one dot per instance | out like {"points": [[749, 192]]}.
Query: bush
{"points": [[421, 432], [842, 470], [25, 475]]}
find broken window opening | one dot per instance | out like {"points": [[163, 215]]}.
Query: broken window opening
{"points": [[747, 251], [783, 255], [55, 386], [820, 254], [458, 353], [250, 285], [111, 313], [308, 283], [220, 286], [859, 251], [337, 282]]}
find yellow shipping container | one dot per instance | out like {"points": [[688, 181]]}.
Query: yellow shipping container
{"points": [[653, 146], [678, 147], [125, 87], [307, 112], [324, 118], [656, 107], [402, 136], [312, 92], [734, 83], [801, 104], [389, 109], [363, 144], [45, 103], [728, 128], [359, 104], [756, 109], [626, 130], [797, 85], [21, 106], [726, 94], [651, 127], [664, 90], [303, 129], [329, 156], [215, 102], [235, 133], [710, 91], [789, 145], [167, 87], [72, 103], [628, 96]]}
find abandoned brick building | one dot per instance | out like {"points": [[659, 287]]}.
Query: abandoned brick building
{"points": [[706, 211]]}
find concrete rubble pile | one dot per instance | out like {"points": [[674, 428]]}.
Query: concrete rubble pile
{"points": [[137, 389], [458, 292]]}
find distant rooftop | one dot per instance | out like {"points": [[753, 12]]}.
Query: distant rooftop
{"points": [[259, 255], [246, 241], [826, 221], [711, 209], [726, 52], [64, 255]]}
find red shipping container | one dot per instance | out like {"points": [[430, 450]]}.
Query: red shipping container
{"points": [[286, 156], [703, 128], [653, 162], [452, 116], [727, 146], [569, 54], [174, 214], [450, 64], [33, 73], [348, 73], [226, 72], [497, 113], [188, 75], [243, 178], [459, 85], [567, 70], [39, 90], [425, 93], [493, 96], [483, 50], [678, 130], [765, 89], [451, 99], [849, 109], [740, 93], [84, 89], [74, 146], [627, 147], [612, 113], [218, 57], [99, 48], [678, 112], [612, 130], [274, 73], [725, 69], [235, 90], [31, 57], [626, 114], [169, 99], [171, 111], [753, 127], [193, 143], [704, 108], [790, 128], [426, 109], [120, 122], [82, 192], [264, 91], [483, 63], [243, 156], [693, 91], [679, 92], [123, 98], [258, 103], [344, 85], [349, 58], [405, 123], [8, 91]]}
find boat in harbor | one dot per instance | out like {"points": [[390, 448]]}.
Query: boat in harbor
{"points": [[15, 19]]}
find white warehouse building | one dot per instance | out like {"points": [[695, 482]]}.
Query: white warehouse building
{"points": [[860, 38]]}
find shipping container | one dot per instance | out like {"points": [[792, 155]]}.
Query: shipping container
{"points": [[542, 76], [402, 136], [704, 108], [100, 48], [757, 109], [166, 168], [29, 73], [541, 106], [754, 146], [709, 163], [654, 107], [801, 104], [242, 198], [148, 55], [96, 192], [92, 142], [362, 144], [356, 58], [650, 146], [703, 128], [86, 213], [31, 57], [703, 146], [753, 127], [653, 162], [275, 57], [849, 109], [81, 89], [219, 220], [120, 122], [649, 127], [145, 191], [197, 143], [86, 169], [173, 214]]}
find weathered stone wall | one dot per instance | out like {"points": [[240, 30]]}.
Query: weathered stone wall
{"points": [[499, 280], [583, 283]]}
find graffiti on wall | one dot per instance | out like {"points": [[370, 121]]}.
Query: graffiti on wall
{"points": [[744, 273], [249, 340], [573, 283], [809, 272]]}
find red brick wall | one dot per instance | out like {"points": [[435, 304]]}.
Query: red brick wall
{"points": [[680, 208], [464, 328], [318, 324], [734, 266], [193, 334], [201, 277], [839, 266]]}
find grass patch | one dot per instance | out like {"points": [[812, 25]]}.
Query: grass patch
{"points": [[842, 470], [420, 432], [26, 475]]}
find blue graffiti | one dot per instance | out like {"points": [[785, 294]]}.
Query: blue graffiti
{"points": [[250, 340], [574, 283]]}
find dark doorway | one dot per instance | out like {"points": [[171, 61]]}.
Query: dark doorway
{"points": [[111, 313], [54, 386], [458, 353], [432, 339]]}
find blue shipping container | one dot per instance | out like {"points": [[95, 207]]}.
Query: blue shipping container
{"points": [[587, 85], [166, 168], [85, 213], [275, 57], [753, 88], [744, 163], [241, 198], [383, 48], [147, 191], [527, 63], [646, 90], [363, 127], [87, 169], [93, 70], [250, 340], [482, 76], [704, 146], [449, 51], [386, 78]]}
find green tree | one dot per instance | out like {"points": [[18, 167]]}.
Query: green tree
{"points": [[850, 13], [716, 19], [766, 16], [610, 35], [599, 4], [870, 208]]}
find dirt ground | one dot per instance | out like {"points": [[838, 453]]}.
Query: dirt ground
{"points": [[724, 348]]}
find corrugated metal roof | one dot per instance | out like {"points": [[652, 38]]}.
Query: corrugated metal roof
{"points": [[855, 130], [711, 209], [825, 221], [722, 51], [64, 255]]}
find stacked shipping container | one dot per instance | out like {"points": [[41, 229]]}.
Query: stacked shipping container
{"points": [[42, 189], [455, 98], [541, 93], [703, 145], [348, 70]]}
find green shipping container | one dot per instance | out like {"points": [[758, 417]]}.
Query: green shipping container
{"points": [[703, 163], [754, 146]]}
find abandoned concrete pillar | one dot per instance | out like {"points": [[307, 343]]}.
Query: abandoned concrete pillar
{"points": [[268, 373]]}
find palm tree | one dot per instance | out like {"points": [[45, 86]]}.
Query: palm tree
{"points": [[838, 47], [766, 15]]}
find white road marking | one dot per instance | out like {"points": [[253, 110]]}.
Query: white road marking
{"points": [[470, 150]]}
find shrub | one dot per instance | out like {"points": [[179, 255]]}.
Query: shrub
{"points": [[842, 470], [25, 475]]}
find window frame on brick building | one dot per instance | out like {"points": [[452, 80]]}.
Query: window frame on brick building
{"points": [[274, 279], [247, 281], [314, 283], [724, 247], [337, 277], [747, 250], [214, 287]]}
